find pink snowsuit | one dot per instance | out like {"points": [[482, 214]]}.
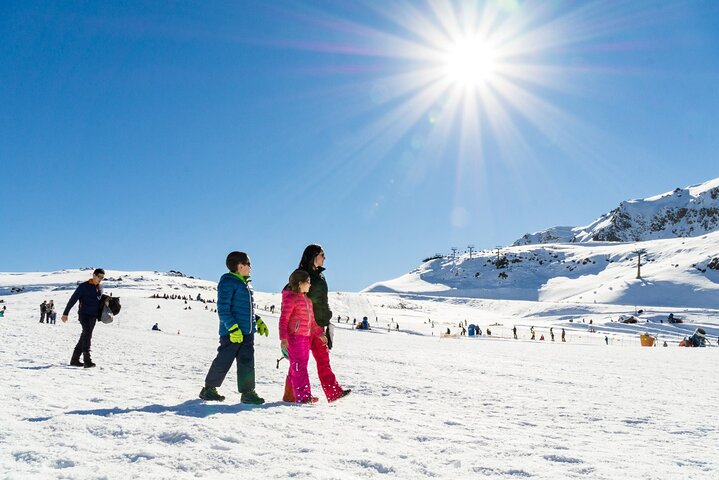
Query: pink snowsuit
{"points": [[298, 326]]}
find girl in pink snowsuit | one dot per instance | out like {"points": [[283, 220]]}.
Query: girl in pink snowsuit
{"points": [[297, 327]]}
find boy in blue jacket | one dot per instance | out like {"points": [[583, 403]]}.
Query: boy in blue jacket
{"points": [[238, 324]]}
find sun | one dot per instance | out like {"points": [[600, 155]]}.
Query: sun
{"points": [[474, 82], [470, 63]]}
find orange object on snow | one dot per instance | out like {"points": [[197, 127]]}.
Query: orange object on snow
{"points": [[646, 340]]}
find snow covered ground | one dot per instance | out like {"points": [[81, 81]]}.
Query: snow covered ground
{"points": [[487, 407]]}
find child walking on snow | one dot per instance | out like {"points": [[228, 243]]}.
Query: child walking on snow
{"points": [[238, 324], [297, 326]]}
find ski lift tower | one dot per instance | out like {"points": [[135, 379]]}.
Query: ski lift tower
{"points": [[639, 261]]}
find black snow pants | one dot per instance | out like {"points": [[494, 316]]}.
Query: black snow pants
{"points": [[85, 342], [227, 353]]}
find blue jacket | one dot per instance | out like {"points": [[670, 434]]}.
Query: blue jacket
{"points": [[89, 296], [235, 304]]}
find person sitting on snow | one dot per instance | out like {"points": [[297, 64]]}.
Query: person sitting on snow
{"points": [[156, 328]]}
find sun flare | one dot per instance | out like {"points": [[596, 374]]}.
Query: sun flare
{"points": [[466, 80], [470, 63]]}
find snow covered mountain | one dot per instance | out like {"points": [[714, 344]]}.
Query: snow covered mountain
{"points": [[677, 233], [683, 212], [674, 272]]}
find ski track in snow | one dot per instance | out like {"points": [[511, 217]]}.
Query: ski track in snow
{"points": [[421, 407]]}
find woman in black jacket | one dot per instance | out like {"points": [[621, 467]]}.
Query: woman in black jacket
{"points": [[312, 262]]}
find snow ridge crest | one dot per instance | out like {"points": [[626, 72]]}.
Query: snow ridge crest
{"points": [[683, 212]]}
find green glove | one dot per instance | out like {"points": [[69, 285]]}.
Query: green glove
{"points": [[235, 334], [261, 327]]}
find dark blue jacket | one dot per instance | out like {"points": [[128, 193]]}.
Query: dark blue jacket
{"points": [[235, 304], [89, 296]]}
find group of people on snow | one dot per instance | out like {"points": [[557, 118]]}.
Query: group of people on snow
{"points": [[304, 327], [47, 312]]}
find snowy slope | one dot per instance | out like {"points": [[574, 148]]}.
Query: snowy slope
{"points": [[683, 212], [675, 272], [421, 407]]}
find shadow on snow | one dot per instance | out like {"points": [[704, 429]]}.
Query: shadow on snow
{"points": [[189, 408]]}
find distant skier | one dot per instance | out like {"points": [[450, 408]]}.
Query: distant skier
{"points": [[606, 339], [531, 330], [551, 333], [238, 324], [563, 336], [89, 294], [43, 311], [514, 331], [156, 328]]}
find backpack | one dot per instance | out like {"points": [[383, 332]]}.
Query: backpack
{"points": [[114, 305], [107, 312], [106, 315]]}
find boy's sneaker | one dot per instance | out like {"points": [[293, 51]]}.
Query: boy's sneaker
{"points": [[252, 398], [341, 395], [210, 394]]}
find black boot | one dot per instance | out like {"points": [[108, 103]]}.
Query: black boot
{"points": [[252, 398], [210, 393], [88, 360], [75, 360]]}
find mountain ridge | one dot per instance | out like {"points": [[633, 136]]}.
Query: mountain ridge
{"points": [[682, 212]]}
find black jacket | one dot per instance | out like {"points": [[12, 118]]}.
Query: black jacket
{"points": [[318, 295], [89, 296]]}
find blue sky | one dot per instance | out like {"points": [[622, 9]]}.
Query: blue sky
{"points": [[162, 135]]}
